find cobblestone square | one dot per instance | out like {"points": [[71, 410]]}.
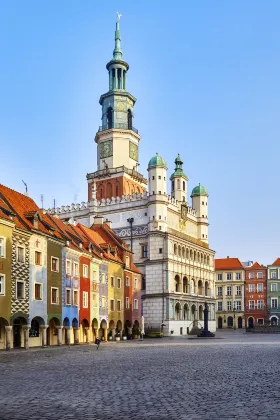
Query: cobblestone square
{"points": [[235, 377]]}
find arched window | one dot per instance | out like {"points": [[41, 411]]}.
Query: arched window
{"points": [[183, 253], [109, 190], [187, 254], [35, 329], [184, 186], [185, 285], [178, 184], [109, 118], [117, 189], [172, 185], [129, 119], [175, 249], [178, 311], [177, 283], [200, 289], [179, 251]]}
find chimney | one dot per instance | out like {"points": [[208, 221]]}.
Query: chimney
{"points": [[108, 223], [227, 256], [98, 220]]}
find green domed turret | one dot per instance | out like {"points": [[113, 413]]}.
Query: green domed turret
{"points": [[199, 190], [157, 161], [179, 168]]}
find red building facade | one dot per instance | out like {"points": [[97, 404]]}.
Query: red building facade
{"points": [[255, 295]]}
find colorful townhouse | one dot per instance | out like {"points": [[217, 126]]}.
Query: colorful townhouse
{"points": [[255, 295], [230, 276], [273, 292]]}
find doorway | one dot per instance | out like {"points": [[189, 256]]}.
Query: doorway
{"points": [[251, 322], [17, 327], [239, 322], [220, 322]]}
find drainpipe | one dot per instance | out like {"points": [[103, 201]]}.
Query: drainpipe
{"points": [[131, 220]]}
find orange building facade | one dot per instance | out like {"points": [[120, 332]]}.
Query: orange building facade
{"points": [[255, 295]]}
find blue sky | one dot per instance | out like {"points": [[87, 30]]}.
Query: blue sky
{"points": [[206, 78]]}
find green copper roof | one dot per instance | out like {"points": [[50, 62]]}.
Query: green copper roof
{"points": [[199, 190], [157, 161], [117, 53], [179, 168]]}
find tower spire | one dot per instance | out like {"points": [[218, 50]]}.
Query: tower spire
{"points": [[117, 53]]}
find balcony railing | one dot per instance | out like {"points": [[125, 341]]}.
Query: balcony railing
{"points": [[111, 171], [120, 126]]}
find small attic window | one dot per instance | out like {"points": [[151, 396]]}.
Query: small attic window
{"points": [[81, 245], [67, 243]]}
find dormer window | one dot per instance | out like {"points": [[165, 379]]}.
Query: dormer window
{"points": [[127, 262]]}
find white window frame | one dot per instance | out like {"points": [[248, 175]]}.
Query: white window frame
{"points": [[68, 289], [251, 288], [85, 299], [238, 276], [94, 300], [119, 281], [41, 291], [112, 300], [238, 305], [119, 300], [76, 291], [3, 248], [260, 287], [136, 283], [85, 271], [3, 282], [260, 304], [41, 258], [229, 305], [70, 271], [57, 296], [127, 261], [220, 305], [20, 281], [274, 298], [127, 303], [220, 276], [103, 298], [229, 287], [251, 304], [22, 247], [57, 259], [135, 307], [251, 276], [273, 275], [112, 284], [220, 288], [76, 268], [271, 288], [94, 276], [259, 275], [229, 276], [127, 281], [238, 290]]}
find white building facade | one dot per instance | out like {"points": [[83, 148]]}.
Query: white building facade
{"points": [[168, 237]]}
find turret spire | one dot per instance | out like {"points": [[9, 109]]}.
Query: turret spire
{"points": [[117, 53]]}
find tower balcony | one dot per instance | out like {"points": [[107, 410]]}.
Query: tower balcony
{"points": [[108, 172], [119, 126]]}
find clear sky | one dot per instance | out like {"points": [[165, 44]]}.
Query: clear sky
{"points": [[206, 78]]}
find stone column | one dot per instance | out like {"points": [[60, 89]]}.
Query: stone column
{"points": [[113, 333], [44, 335], [105, 334], [116, 78], [111, 79], [67, 335], [26, 336], [59, 336], [94, 333], [8, 337], [87, 335], [76, 335]]}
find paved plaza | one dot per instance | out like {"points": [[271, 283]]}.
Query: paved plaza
{"points": [[235, 376]]}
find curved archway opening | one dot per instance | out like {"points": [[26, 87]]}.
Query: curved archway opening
{"points": [[186, 312], [177, 283], [177, 311], [200, 312], [230, 322], [200, 287], [109, 118]]}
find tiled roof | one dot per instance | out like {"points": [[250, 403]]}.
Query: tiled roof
{"points": [[228, 264], [255, 265], [276, 262]]}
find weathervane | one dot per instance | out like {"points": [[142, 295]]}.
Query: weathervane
{"points": [[119, 15]]}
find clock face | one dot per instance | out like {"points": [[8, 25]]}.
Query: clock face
{"points": [[120, 106], [106, 149], [133, 151]]}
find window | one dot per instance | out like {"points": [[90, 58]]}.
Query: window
{"points": [[20, 254], [76, 269], [144, 251], [35, 329], [112, 281], [94, 300], [103, 278], [119, 283], [38, 291], [85, 299], [54, 295], [238, 276], [112, 305], [238, 305], [260, 321], [75, 298], [251, 275], [260, 304], [220, 306], [229, 276], [126, 303], [20, 290], [2, 247], [153, 177], [159, 177], [238, 290], [135, 283], [220, 277], [273, 275], [228, 290], [118, 305], [2, 285], [220, 291], [259, 275], [260, 287], [274, 287], [54, 264], [251, 288], [38, 258], [127, 262], [94, 275], [135, 306], [229, 305], [68, 297], [160, 250], [251, 304], [127, 281], [68, 267], [274, 302], [85, 270]]}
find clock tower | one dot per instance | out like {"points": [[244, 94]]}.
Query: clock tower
{"points": [[117, 140]]}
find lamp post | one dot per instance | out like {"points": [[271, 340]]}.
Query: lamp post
{"points": [[234, 324]]}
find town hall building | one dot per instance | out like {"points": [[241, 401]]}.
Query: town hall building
{"points": [[167, 234]]}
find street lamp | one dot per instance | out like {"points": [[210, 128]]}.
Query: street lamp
{"points": [[234, 310]]}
